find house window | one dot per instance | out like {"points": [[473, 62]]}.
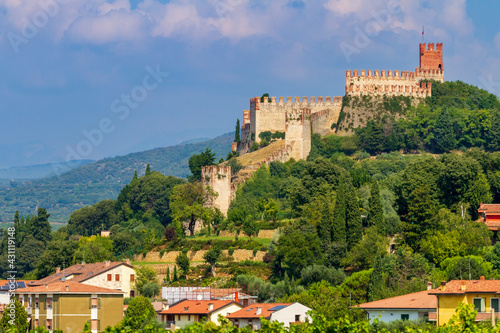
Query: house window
{"points": [[36, 322], [49, 324], [49, 302], [37, 300], [94, 324], [132, 277], [117, 277], [479, 304], [110, 277], [494, 304], [405, 316], [132, 293], [189, 317], [297, 318], [94, 303], [179, 317]]}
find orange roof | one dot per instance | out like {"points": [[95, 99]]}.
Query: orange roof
{"points": [[489, 208], [69, 287], [197, 307], [418, 300], [81, 272], [251, 310], [468, 286]]}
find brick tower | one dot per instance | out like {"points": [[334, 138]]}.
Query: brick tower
{"points": [[431, 58]]}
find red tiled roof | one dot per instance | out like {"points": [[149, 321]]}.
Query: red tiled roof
{"points": [[418, 300], [469, 286], [81, 272], [69, 287], [196, 307], [251, 310], [489, 208]]}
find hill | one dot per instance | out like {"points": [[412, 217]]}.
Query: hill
{"points": [[20, 173], [101, 180]]}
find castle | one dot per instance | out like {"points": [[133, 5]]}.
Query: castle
{"points": [[297, 118]]}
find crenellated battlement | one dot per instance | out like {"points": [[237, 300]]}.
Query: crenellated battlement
{"points": [[296, 101]]}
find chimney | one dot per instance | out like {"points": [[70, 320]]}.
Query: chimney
{"points": [[67, 288], [236, 297], [127, 261], [46, 286], [58, 270], [210, 306], [165, 306], [429, 285], [463, 286], [259, 311], [443, 285], [107, 263], [481, 278]]}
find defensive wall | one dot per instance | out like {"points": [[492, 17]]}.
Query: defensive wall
{"points": [[218, 177]]}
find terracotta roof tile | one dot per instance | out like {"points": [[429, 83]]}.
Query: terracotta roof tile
{"points": [[418, 300], [72, 288], [81, 272], [489, 208], [469, 286], [251, 310], [196, 307]]}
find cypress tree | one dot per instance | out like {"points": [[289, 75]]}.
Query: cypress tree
{"points": [[237, 134], [376, 280], [167, 277], [339, 214], [135, 176], [148, 170], [40, 228], [325, 226], [444, 136], [354, 224], [175, 278], [376, 212], [493, 135]]}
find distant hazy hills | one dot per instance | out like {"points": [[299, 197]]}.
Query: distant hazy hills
{"points": [[40, 170], [63, 193]]}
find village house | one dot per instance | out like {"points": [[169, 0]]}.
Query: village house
{"points": [[286, 313], [489, 214], [187, 312], [68, 306], [112, 275], [412, 306], [483, 294]]}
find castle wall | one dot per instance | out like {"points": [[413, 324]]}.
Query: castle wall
{"points": [[271, 116], [298, 133], [219, 179], [391, 83]]}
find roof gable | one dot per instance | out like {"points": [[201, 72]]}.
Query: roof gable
{"points": [[418, 300], [197, 307], [250, 311], [67, 287], [81, 272]]}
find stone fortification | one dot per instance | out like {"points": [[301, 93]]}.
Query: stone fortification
{"points": [[218, 177], [298, 133], [400, 83]]}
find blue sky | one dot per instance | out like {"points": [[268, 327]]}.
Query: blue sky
{"points": [[67, 66]]}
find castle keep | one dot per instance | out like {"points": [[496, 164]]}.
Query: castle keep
{"points": [[298, 117]]}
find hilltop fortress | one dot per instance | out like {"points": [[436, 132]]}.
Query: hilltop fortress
{"points": [[297, 118]]}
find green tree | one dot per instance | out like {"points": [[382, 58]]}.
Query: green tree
{"points": [[376, 212], [211, 257], [325, 226], [204, 158], [444, 136], [376, 280], [237, 133], [151, 290], [354, 225], [493, 135], [148, 170], [182, 261], [188, 203], [339, 213], [41, 228], [59, 253], [144, 276], [94, 249], [250, 227], [18, 318], [139, 312]]}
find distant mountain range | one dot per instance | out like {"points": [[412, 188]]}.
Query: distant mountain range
{"points": [[26, 153], [85, 185], [20, 173]]}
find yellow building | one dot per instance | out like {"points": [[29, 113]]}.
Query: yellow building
{"points": [[483, 294], [68, 305], [112, 275]]}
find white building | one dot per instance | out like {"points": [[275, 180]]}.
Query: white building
{"points": [[285, 313]]}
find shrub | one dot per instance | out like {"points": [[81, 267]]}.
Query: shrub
{"points": [[255, 250], [230, 251], [162, 252]]}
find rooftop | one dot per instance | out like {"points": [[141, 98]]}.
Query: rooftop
{"points": [[266, 309], [69, 287], [81, 272], [197, 307], [418, 300], [489, 208], [468, 286]]}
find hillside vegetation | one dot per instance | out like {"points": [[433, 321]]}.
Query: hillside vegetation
{"points": [[100, 180]]}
